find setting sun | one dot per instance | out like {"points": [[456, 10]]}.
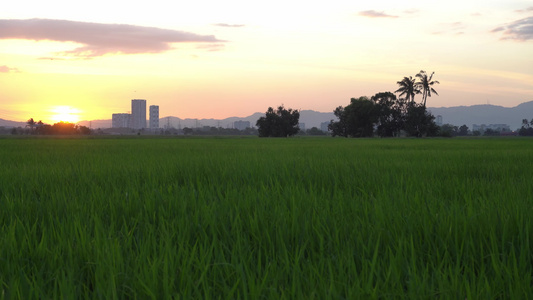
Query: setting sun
{"points": [[65, 114]]}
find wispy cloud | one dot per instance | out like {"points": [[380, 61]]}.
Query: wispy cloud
{"points": [[100, 39], [375, 14], [525, 10], [456, 28], [211, 47], [228, 25], [6, 69], [520, 30]]}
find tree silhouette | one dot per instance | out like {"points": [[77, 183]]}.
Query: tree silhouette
{"points": [[357, 119], [425, 84], [31, 123], [408, 88], [279, 123]]}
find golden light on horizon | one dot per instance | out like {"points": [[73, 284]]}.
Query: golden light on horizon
{"points": [[65, 114]]}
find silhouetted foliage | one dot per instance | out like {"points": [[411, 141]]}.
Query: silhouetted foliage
{"points": [[448, 130], [187, 131], [385, 114], [391, 114], [491, 132], [408, 88], [527, 128], [419, 122], [61, 128], [355, 120], [315, 131], [425, 85], [278, 123], [31, 123], [463, 130], [525, 131]]}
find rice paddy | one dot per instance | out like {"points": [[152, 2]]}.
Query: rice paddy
{"points": [[250, 218]]}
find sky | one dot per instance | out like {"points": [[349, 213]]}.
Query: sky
{"points": [[65, 61]]}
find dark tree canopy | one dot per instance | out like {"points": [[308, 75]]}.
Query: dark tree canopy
{"points": [[392, 113], [355, 120], [279, 123], [383, 114], [419, 122]]}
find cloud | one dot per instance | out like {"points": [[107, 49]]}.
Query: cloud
{"points": [[99, 39], [520, 30], [375, 14], [211, 47], [524, 10], [6, 69], [228, 25], [456, 28]]}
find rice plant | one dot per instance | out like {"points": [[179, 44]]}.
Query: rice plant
{"points": [[249, 218]]}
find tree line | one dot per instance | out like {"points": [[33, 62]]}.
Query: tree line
{"points": [[527, 128], [383, 114], [60, 128]]}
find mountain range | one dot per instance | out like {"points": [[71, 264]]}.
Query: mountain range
{"points": [[457, 115]]}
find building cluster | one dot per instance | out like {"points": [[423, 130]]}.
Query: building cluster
{"points": [[137, 118]]}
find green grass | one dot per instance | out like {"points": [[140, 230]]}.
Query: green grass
{"points": [[249, 218]]}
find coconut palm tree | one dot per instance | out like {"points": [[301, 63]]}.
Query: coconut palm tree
{"points": [[408, 88], [426, 85], [31, 123]]}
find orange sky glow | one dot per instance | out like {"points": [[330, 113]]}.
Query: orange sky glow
{"points": [[213, 59]]}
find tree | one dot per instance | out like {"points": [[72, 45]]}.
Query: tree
{"points": [[391, 113], [463, 130], [279, 123], [419, 122], [426, 85], [448, 130], [491, 132], [31, 123], [355, 120], [315, 131], [408, 88]]}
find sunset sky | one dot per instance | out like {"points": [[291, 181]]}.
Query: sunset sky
{"points": [[60, 59]]}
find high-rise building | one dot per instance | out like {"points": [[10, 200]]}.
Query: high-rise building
{"points": [[138, 113], [154, 116], [438, 120], [120, 120]]}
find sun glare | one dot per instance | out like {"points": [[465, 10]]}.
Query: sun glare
{"points": [[65, 114]]}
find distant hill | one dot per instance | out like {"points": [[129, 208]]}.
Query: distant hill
{"points": [[96, 123], [457, 115], [485, 114], [7, 123]]}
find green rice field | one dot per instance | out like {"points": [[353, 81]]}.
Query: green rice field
{"points": [[250, 218]]}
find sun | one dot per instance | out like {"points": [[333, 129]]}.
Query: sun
{"points": [[65, 114]]}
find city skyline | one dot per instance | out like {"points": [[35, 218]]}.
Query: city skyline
{"points": [[238, 58]]}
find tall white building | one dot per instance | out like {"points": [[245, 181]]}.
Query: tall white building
{"points": [[120, 120], [154, 116], [138, 113]]}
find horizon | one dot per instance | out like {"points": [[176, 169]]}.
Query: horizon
{"points": [[513, 123], [85, 63]]}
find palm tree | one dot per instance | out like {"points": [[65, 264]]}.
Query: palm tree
{"points": [[408, 88], [31, 123], [425, 85]]}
